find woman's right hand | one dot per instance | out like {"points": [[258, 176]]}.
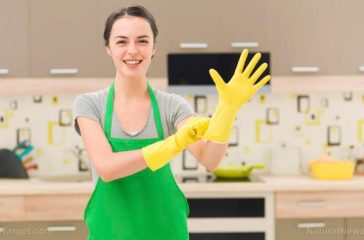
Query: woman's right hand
{"points": [[192, 131]]}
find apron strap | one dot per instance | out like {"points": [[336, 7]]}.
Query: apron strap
{"points": [[110, 107], [109, 111], [157, 116]]}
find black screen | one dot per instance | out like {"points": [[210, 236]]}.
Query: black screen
{"points": [[193, 68]]}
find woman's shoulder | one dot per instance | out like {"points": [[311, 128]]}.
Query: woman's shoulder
{"points": [[96, 96], [167, 97]]}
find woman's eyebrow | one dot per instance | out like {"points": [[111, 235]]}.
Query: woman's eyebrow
{"points": [[124, 37]]}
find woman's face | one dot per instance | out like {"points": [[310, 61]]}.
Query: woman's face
{"points": [[131, 46]]}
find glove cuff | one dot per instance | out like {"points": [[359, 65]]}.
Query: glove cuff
{"points": [[221, 123]]}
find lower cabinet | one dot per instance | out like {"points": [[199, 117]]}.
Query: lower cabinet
{"points": [[227, 236], [65, 230], [309, 229], [354, 229]]}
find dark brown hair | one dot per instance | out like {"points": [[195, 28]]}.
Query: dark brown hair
{"points": [[136, 11]]}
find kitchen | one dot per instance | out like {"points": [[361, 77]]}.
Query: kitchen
{"points": [[306, 113]]}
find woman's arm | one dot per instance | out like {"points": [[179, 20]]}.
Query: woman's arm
{"points": [[208, 153], [113, 165], [109, 165]]}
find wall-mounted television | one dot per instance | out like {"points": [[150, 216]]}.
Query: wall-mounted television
{"points": [[189, 72]]}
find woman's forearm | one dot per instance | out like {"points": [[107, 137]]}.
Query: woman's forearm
{"points": [[209, 154], [116, 165]]}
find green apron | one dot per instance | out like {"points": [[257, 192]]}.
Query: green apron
{"points": [[146, 205]]}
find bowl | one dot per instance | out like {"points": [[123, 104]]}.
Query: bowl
{"points": [[332, 170]]}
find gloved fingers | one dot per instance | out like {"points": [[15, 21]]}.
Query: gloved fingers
{"points": [[251, 65], [200, 126], [239, 68], [256, 75], [219, 82], [261, 83]]}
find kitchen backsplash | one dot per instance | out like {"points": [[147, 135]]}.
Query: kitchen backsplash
{"points": [[314, 123]]}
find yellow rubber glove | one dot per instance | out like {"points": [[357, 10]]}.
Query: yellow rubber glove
{"points": [[233, 95], [160, 153]]}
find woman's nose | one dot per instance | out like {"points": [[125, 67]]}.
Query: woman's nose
{"points": [[132, 48]]}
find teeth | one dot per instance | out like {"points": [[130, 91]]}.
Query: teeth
{"points": [[132, 61]]}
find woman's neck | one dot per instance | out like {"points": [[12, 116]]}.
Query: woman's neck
{"points": [[130, 88]]}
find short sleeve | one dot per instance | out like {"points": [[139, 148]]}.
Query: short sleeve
{"points": [[85, 106], [179, 109]]}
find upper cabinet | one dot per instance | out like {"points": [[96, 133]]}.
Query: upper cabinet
{"points": [[105, 65], [184, 26], [42, 38], [243, 24], [14, 38], [350, 37], [303, 37], [63, 38]]}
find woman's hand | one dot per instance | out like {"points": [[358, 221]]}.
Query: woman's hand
{"points": [[241, 86], [192, 131], [160, 153], [233, 95]]}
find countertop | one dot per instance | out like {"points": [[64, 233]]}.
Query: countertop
{"points": [[267, 185]]}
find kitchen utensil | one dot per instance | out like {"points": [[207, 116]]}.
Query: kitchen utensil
{"points": [[236, 171], [10, 167]]}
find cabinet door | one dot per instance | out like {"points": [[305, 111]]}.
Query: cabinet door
{"points": [[350, 37], [184, 26], [308, 229], [63, 38], [243, 24], [105, 66], [72, 230], [303, 35], [354, 228], [14, 38]]}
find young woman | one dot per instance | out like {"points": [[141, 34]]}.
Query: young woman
{"points": [[131, 131]]}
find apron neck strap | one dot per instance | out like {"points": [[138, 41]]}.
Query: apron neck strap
{"points": [[110, 108]]}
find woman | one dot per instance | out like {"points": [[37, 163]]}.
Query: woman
{"points": [[132, 131]]}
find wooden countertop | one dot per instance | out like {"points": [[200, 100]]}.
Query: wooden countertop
{"points": [[269, 184]]}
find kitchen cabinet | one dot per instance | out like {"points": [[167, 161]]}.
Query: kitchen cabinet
{"points": [[308, 229], [55, 230], [42, 207], [319, 204], [351, 37], [303, 37], [14, 38], [184, 26], [105, 66], [354, 228], [63, 38], [243, 24]]}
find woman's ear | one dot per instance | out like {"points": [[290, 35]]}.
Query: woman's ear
{"points": [[154, 49], [108, 51]]}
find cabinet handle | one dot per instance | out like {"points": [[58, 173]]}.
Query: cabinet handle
{"points": [[311, 225], [311, 204], [244, 44], [361, 68], [302, 69], [4, 71], [62, 71], [193, 45], [61, 229]]}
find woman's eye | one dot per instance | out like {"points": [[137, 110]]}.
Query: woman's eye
{"points": [[121, 42], [143, 41]]}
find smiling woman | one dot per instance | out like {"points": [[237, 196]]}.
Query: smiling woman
{"points": [[135, 195], [131, 132]]}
